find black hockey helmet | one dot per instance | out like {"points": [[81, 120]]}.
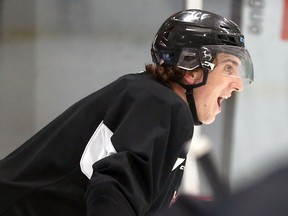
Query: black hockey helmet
{"points": [[184, 41]]}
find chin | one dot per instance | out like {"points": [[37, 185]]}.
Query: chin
{"points": [[207, 121]]}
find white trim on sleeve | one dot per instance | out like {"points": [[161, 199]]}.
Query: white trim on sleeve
{"points": [[98, 147]]}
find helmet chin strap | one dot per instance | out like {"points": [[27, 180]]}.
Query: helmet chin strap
{"points": [[191, 102], [190, 96]]}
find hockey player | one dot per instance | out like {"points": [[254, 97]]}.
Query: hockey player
{"points": [[122, 149]]}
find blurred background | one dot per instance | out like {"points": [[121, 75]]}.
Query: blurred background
{"points": [[54, 52]]}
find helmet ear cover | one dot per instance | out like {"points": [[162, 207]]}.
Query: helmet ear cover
{"points": [[192, 58], [206, 58]]}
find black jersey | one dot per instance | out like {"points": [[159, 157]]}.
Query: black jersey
{"points": [[119, 151]]}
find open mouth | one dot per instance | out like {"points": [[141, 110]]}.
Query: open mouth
{"points": [[220, 99]]}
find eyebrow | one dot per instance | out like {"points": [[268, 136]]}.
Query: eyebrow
{"points": [[229, 60]]}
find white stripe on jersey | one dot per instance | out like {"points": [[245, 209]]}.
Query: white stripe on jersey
{"points": [[178, 162], [98, 147]]}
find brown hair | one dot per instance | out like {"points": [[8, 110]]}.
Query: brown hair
{"points": [[165, 74]]}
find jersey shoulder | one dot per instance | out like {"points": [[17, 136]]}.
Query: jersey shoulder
{"points": [[145, 85]]}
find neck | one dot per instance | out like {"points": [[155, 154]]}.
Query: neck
{"points": [[179, 90]]}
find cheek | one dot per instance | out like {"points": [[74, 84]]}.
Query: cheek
{"points": [[202, 103], [206, 100], [203, 96]]}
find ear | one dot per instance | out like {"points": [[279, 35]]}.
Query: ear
{"points": [[191, 78]]}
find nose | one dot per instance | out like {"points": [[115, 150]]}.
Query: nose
{"points": [[237, 85]]}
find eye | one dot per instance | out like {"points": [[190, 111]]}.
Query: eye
{"points": [[229, 69]]}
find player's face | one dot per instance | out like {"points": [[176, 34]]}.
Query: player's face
{"points": [[221, 82]]}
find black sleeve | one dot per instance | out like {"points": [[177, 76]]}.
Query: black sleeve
{"points": [[149, 134]]}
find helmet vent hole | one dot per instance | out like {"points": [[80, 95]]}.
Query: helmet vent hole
{"points": [[232, 39], [167, 33], [225, 27], [189, 58], [222, 37]]}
